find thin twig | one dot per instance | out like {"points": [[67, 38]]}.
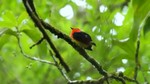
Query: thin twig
{"points": [[43, 25], [59, 68], [80, 50], [85, 82], [130, 80], [137, 66], [40, 25], [33, 58], [136, 60], [32, 13], [37, 43], [118, 79]]}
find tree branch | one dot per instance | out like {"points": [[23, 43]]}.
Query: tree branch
{"points": [[37, 43], [43, 25], [59, 68], [31, 11], [130, 80], [137, 64], [80, 50], [136, 60]]}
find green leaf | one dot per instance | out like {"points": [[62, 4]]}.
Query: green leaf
{"points": [[32, 34], [9, 16], [7, 24], [141, 10], [3, 40], [35, 36], [8, 20], [7, 31], [127, 45], [147, 26], [22, 17], [2, 31]]}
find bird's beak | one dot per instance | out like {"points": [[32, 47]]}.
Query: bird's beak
{"points": [[71, 27]]}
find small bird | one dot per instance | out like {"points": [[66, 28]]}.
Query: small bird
{"points": [[81, 38]]}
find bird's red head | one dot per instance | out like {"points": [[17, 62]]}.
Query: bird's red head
{"points": [[74, 30], [81, 38]]}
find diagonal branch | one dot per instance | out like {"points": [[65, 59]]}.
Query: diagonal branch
{"points": [[59, 68], [37, 43], [41, 25], [31, 11], [80, 50]]}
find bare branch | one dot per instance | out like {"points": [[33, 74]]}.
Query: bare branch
{"points": [[118, 79], [137, 66], [37, 43], [80, 50], [136, 60], [31, 11], [130, 80], [43, 25], [33, 58], [59, 68]]}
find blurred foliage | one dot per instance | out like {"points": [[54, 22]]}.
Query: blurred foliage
{"points": [[116, 44]]}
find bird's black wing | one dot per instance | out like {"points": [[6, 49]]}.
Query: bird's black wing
{"points": [[82, 37]]}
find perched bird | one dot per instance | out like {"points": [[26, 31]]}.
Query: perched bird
{"points": [[81, 38]]}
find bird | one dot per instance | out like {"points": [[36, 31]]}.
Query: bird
{"points": [[81, 38]]}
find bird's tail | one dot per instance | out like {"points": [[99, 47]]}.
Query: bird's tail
{"points": [[90, 46], [93, 44]]}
